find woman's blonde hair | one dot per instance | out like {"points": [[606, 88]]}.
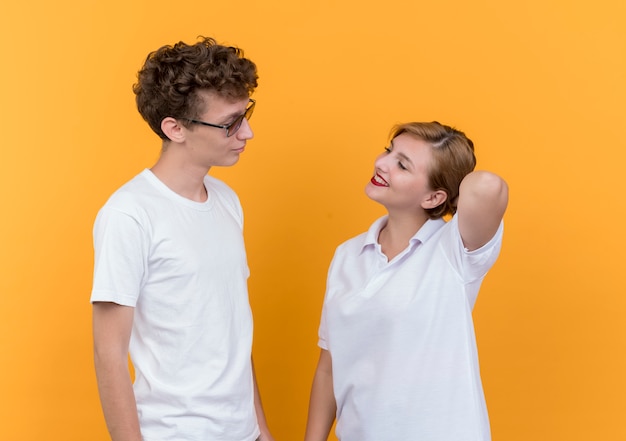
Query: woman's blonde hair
{"points": [[453, 158]]}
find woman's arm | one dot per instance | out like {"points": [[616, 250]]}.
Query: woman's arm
{"points": [[483, 197], [322, 405]]}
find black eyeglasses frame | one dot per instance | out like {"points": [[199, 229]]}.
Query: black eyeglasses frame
{"points": [[231, 128]]}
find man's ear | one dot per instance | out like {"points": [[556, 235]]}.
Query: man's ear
{"points": [[173, 129], [434, 199]]}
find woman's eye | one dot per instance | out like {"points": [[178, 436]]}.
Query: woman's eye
{"points": [[401, 165], [388, 149]]}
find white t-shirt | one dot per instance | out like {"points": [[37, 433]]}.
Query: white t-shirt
{"points": [[182, 265], [401, 337]]}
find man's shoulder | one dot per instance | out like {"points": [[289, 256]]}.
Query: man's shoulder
{"points": [[222, 190], [216, 184], [130, 194]]}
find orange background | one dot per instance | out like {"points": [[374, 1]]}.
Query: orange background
{"points": [[539, 86]]}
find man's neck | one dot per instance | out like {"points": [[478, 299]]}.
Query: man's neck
{"points": [[181, 178]]}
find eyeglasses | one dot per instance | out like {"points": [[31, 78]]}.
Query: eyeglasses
{"points": [[231, 128]]}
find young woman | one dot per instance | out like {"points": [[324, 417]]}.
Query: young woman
{"points": [[398, 358]]}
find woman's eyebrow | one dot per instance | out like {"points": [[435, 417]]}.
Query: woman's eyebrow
{"points": [[401, 155], [405, 158]]}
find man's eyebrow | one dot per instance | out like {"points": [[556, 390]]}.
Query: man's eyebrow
{"points": [[231, 116], [235, 114]]}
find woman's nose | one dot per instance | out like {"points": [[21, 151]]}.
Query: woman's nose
{"points": [[381, 161]]}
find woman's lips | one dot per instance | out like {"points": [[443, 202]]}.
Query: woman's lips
{"points": [[378, 181]]}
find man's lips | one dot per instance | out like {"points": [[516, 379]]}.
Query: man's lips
{"points": [[378, 181]]}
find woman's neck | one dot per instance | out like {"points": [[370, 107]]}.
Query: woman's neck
{"points": [[394, 237]]}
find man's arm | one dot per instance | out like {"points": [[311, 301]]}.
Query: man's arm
{"points": [[260, 414], [483, 197], [322, 405], [112, 324]]}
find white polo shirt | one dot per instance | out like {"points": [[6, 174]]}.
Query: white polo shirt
{"points": [[401, 337]]}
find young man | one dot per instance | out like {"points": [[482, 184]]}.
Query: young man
{"points": [[170, 277]]}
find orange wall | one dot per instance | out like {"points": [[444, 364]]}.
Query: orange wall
{"points": [[540, 87]]}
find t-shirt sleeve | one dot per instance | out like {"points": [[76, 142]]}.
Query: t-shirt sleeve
{"points": [[120, 257], [322, 333], [471, 265]]}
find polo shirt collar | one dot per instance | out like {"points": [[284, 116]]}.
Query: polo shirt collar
{"points": [[423, 234]]}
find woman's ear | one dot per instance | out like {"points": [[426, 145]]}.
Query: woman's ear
{"points": [[434, 199], [173, 129]]}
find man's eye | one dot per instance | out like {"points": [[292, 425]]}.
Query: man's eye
{"points": [[234, 121]]}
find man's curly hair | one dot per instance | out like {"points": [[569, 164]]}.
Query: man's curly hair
{"points": [[172, 77]]}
